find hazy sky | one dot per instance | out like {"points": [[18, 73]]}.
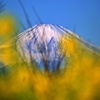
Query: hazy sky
{"points": [[80, 16]]}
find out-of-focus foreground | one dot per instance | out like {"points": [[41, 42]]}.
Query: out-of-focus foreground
{"points": [[78, 79]]}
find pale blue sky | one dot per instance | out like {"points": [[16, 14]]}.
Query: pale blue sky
{"points": [[82, 14]]}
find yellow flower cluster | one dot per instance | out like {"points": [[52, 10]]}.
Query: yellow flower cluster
{"points": [[79, 79]]}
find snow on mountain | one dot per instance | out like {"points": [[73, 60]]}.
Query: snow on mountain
{"points": [[40, 44]]}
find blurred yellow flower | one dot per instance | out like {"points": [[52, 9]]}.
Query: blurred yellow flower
{"points": [[7, 25]]}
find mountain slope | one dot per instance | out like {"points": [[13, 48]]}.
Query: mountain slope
{"points": [[41, 44]]}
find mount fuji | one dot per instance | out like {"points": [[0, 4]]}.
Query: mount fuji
{"points": [[40, 44]]}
